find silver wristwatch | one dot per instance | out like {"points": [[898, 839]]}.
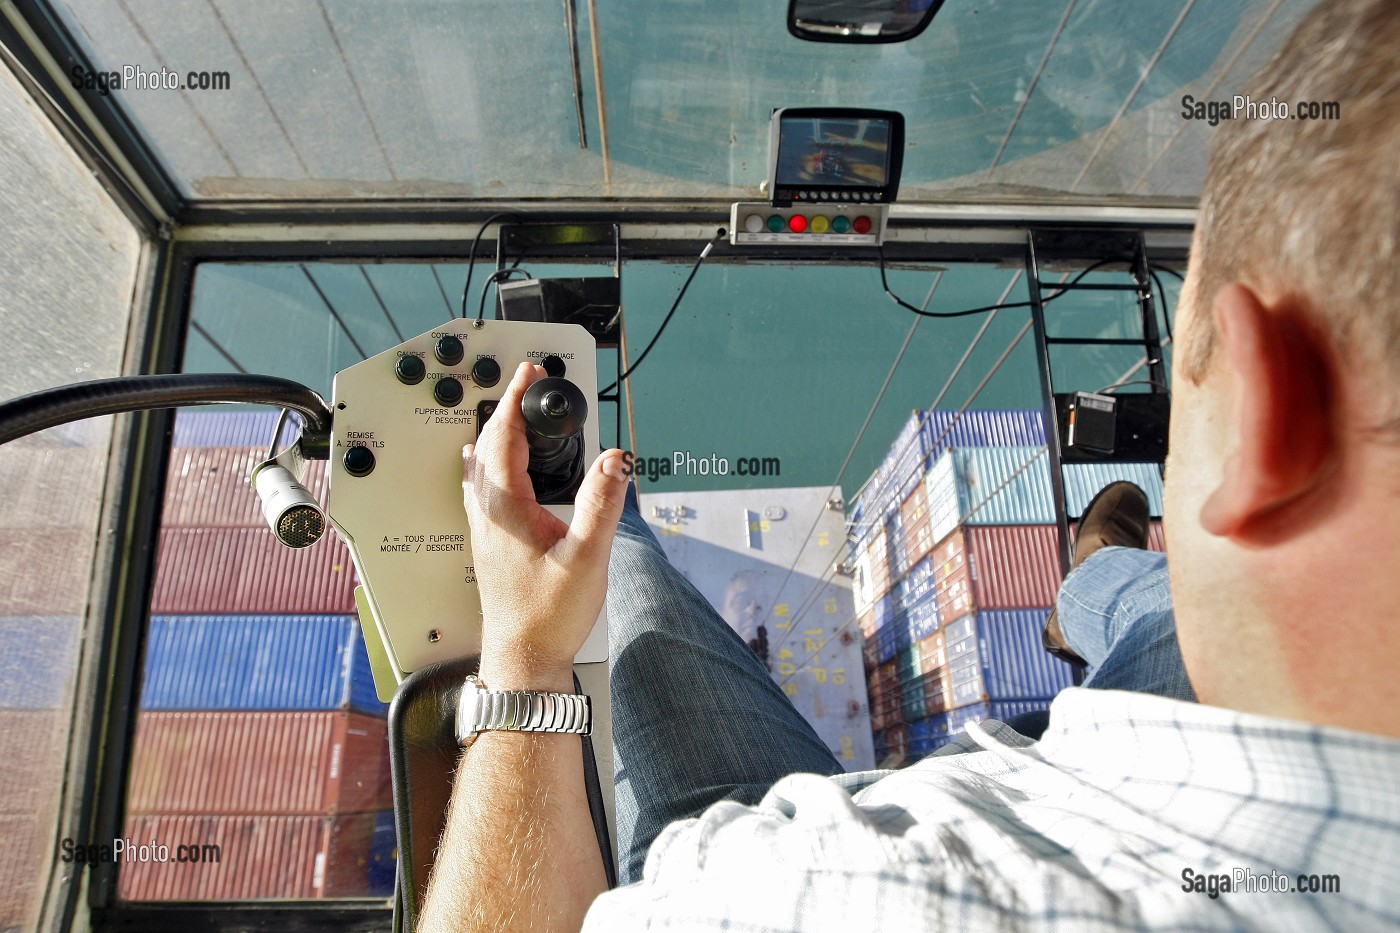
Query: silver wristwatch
{"points": [[480, 709]]}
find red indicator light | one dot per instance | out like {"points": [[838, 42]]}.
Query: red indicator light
{"points": [[797, 223], [861, 224]]}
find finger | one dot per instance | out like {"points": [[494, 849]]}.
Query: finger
{"points": [[597, 508], [502, 449]]}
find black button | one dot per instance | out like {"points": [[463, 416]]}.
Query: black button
{"points": [[448, 392], [449, 350], [359, 461], [553, 365], [486, 372], [410, 370]]}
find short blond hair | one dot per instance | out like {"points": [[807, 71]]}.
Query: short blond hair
{"points": [[1312, 206]]}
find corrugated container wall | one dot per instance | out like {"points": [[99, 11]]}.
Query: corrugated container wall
{"points": [[1084, 480], [997, 655], [989, 486], [206, 763], [38, 655], [246, 570], [202, 427], [208, 487], [258, 662], [259, 857]]}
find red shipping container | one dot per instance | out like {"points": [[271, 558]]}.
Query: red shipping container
{"points": [[45, 571], [938, 691], [51, 487], [867, 622], [1004, 567], [259, 857], [918, 530], [208, 487], [1156, 537], [246, 570], [948, 557], [24, 861], [31, 760], [233, 762], [931, 656]]}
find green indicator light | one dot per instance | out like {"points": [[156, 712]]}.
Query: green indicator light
{"points": [[841, 225], [776, 224]]}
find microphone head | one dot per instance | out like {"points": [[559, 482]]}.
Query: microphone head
{"points": [[288, 508]]}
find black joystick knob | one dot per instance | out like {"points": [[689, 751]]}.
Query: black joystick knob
{"points": [[449, 350], [555, 411], [486, 372]]}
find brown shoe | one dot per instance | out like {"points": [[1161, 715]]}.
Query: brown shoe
{"points": [[1116, 517]]}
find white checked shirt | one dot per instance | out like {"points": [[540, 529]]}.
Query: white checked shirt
{"points": [[1093, 828]]}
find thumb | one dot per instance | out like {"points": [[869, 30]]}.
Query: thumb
{"points": [[598, 507]]}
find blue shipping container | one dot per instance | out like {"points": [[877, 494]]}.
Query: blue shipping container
{"points": [[38, 661], [1000, 711], [923, 617], [258, 663], [1084, 480], [989, 486], [383, 856], [998, 428], [1008, 661], [218, 427]]}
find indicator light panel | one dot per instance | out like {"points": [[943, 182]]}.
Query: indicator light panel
{"points": [[755, 222]]}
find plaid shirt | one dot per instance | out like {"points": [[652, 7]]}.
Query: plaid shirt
{"points": [[1127, 814]]}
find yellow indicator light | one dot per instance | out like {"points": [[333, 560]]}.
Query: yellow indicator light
{"points": [[820, 224]]}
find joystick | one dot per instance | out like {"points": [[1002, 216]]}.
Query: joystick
{"points": [[555, 411]]}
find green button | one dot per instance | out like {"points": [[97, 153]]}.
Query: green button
{"points": [[776, 224], [841, 225]]}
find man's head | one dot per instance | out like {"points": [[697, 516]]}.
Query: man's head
{"points": [[1283, 512]]}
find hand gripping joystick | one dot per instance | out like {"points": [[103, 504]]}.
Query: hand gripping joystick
{"points": [[555, 411]]}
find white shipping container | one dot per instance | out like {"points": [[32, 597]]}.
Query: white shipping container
{"points": [[989, 486], [737, 547]]}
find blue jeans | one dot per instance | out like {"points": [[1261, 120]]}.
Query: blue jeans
{"points": [[1116, 613], [698, 719]]}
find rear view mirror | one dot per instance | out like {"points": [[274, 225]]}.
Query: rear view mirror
{"points": [[860, 21]]}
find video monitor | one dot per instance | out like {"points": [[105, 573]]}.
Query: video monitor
{"points": [[834, 154]]}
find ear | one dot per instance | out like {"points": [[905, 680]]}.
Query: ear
{"points": [[1283, 434]]}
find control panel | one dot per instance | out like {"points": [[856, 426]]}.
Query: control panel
{"points": [[858, 223], [401, 419]]}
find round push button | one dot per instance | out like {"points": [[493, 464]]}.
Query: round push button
{"points": [[359, 461], [410, 370], [448, 392], [841, 224], [449, 351], [861, 224], [753, 223], [486, 372], [553, 366]]}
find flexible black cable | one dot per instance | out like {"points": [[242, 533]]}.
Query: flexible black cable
{"points": [[884, 283], [500, 275], [1166, 311], [1169, 271], [699, 260], [52, 407], [471, 254]]}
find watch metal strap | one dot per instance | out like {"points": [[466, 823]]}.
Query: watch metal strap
{"points": [[529, 711], [521, 711]]}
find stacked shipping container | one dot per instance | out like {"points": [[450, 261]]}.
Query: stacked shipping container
{"points": [[955, 570], [260, 732]]}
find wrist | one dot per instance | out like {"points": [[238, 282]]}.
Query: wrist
{"points": [[508, 671]]}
